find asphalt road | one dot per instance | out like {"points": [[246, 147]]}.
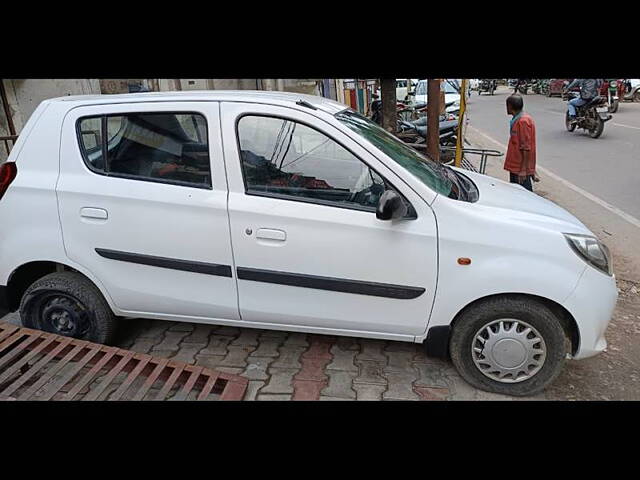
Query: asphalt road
{"points": [[607, 167]]}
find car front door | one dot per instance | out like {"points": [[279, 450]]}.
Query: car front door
{"points": [[143, 204], [309, 250]]}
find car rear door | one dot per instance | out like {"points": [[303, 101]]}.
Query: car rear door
{"points": [[151, 221], [308, 247]]}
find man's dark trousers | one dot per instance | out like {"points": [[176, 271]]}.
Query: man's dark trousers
{"points": [[513, 178]]}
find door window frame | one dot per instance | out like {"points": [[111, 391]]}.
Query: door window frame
{"points": [[104, 122], [411, 213]]}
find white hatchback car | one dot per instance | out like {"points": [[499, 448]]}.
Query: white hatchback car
{"points": [[290, 212]]}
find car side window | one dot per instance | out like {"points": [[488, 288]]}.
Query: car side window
{"points": [[148, 146], [291, 160]]}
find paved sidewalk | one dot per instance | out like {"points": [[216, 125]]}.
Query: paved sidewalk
{"points": [[295, 366]]}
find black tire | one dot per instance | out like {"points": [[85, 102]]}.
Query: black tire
{"points": [[614, 107], [597, 131], [515, 307], [570, 126], [75, 297], [636, 96]]}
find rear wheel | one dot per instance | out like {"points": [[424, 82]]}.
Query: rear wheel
{"points": [[510, 345], [596, 131], [68, 304], [636, 96]]}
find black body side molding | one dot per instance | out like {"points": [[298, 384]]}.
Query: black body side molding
{"points": [[162, 262], [329, 283]]}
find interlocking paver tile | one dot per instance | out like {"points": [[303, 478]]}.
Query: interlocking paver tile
{"points": [[289, 357], [267, 347], [399, 386], [432, 393], [400, 362], [370, 372], [263, 397], [237, 357], [187, 352], [248, 336], [342, 360], [307, 389], [297, 339], [257, 368], [430, 375], [340, 384], [369, 392], [217, 345], [181, 327], [171, 341], [372, 350], [252, 389], [280, 380], [209, 361], [200, 334]]}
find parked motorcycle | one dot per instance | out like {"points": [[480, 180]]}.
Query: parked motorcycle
{"points": [[487, 85], [521, 86], [590, 117], [610, 90]]}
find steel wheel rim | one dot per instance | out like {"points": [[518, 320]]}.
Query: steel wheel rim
{"points": [[508, 350], [62, 314]]}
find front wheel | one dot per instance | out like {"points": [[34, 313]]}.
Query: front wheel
{"points": [[510, 345], [613, 108], [636, 96], [68, 304], [571, 126]]}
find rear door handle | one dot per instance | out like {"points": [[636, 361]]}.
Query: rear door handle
{"points": [[97, 213], [271, 234]]}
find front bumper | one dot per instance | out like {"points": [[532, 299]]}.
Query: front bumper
{"points": [[592, 304]]}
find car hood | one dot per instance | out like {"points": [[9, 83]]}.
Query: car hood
{"points": [[520, 205]]}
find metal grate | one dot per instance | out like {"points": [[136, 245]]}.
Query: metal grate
{"points": [[36, 365]]}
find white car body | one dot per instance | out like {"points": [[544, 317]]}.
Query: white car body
{"points": [[58, 210]]}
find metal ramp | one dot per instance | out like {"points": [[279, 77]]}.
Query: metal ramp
{"points": [[36, 365]]}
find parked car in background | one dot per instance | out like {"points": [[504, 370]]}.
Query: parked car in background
{"points": [[451, 96], [633, 90], [290, 212]]}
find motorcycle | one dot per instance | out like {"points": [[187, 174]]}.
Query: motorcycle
{"points": [[610, 89], [522, 86], [487, 85], [590, 117]]}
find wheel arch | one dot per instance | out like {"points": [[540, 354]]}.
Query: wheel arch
{"points": [[437, 340], [24, 275]]}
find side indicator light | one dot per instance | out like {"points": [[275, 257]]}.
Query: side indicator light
{"points": [[464, 261]]}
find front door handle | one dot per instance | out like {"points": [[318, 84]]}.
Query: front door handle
{"points": [[97, 213], [271, 234]]}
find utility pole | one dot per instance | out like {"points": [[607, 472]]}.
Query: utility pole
{"points": [[463, 108], [389, 115], [433, 119]]}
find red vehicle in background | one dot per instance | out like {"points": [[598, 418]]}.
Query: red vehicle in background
{"points": [[555, 87]]}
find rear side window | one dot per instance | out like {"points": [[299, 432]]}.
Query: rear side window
{"points": [[158, 147]]}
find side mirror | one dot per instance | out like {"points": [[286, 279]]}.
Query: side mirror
{"points": [[390, 206]]}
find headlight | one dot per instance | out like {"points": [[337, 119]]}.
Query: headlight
{"points": [[614, 84], [592, 250]]}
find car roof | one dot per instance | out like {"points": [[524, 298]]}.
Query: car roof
{"points": [[258, 96]]}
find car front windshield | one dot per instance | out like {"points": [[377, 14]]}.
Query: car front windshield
{"points": [[423, 168]]}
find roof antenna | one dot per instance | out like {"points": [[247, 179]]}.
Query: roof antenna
{"points": [[304, 103]]}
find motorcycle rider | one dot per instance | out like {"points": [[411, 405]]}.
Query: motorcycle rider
{"points": [[589, 89]]}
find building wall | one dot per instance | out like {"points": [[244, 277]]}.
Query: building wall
{"points": [[24, 95]]}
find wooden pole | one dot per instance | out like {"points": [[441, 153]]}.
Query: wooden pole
{"points": [[433, 119], [463, 108], [389, 115]]}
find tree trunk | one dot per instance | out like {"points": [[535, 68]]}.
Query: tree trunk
{"points": [[433, 119], [389, 115]]}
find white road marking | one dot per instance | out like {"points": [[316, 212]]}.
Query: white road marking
{"points": [[624, 215], [626, 126]]}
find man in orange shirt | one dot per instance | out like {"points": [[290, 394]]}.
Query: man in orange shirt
{"points": [[520, 161]]}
